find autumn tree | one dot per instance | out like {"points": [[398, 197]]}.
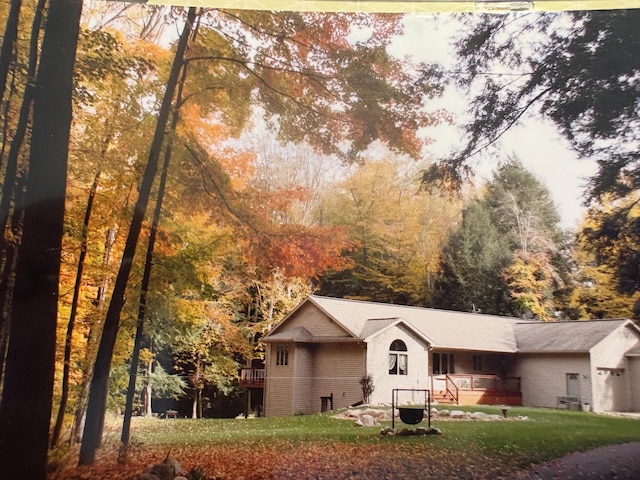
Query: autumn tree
{"points": [[577, 69], [25, 410], [398, 231], [334, 95], [607, 262], [98, 392], [508, 256]]}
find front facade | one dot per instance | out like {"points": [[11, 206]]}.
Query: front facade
{"points": [[317, 357]]}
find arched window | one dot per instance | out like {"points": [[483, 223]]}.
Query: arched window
{"points": [[398, 361]]}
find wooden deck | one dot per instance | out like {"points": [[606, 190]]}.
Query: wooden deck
{"points": [[252, 377], [479, 390]]}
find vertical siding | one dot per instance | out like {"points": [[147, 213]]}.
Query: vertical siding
{"points": [[314, 320], [278, 391], [303, 379], [378, 366], [544, 377], [338, 368], [634, 374], [613, 392]]}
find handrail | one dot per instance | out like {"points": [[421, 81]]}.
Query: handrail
{"points": [[493, 383], [449, 381], [252, 375]]}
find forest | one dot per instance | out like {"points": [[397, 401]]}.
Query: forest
{"points": [[175, 180]]}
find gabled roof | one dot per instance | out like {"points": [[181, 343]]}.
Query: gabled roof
{"points": [[566, 337], [445, 329], [376, 326]]}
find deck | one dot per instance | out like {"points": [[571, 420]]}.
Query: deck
{"points": [[477, 389], [252, 377]]}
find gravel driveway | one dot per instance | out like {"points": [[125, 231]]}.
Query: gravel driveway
{"points": [[619, 462]]}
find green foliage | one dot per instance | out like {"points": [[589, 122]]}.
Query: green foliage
{"points": [[472, 263], [579, 70], [506, 256]]}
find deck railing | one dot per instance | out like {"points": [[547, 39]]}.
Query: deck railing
{"points": [[252, 377], [452, 389], [491, 383]]}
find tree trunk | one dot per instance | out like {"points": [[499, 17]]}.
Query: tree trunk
{"points": [[98, 393], [66, 368], [8, 44], [25, 410], [11, 228], [194, 405], [146, 277], [148, 389], [99, 302]]}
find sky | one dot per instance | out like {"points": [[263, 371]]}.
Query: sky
{"points": [[535, 142]]}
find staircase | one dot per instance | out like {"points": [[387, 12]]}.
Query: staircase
{"points": [[442, 398]]}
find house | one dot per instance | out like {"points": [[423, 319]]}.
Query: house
{"points": [[318, 355]]}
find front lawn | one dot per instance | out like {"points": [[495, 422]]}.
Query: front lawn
{"points": [[319, 446]]}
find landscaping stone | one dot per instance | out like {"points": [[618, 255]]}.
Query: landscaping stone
{"points": [[368, 420], [479, 416], [458, 414]]}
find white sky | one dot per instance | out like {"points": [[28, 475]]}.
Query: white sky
{"points": [[535, 143]]}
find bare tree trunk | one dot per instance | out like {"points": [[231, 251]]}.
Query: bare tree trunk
{"points": [[66, 369], [194, 405], [148, 388], [146, 278], [10, 238], [98, 393], [9, 43], [92, 342], [25, 410]]}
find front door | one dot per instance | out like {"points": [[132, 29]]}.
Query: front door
{"points": [[573, 385]]}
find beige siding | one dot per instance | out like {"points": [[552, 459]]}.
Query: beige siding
{"points": [[303, 379], [544, 377], [314, 320], [338, 369], [279, 384], [612, 391], [378, 366], [634, 374]]}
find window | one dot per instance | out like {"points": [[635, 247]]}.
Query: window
{"points": [[443, 363], [282, 355], [477, 363], [397, 361]]}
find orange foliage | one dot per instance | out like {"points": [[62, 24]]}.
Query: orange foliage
{"points": [[318, 460]]}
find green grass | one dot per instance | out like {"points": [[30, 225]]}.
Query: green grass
{"points": [[547, 434]]}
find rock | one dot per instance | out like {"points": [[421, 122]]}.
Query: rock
{"points": [[352, 413], [458, 414], [162, 471], [368, 420], [444, 413], [387, 431], [521, 417], [434, 411], [405, 432], [376, 413], [479, 416], [496, 417], [147, 476], [177, 469], [358, 423]]}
